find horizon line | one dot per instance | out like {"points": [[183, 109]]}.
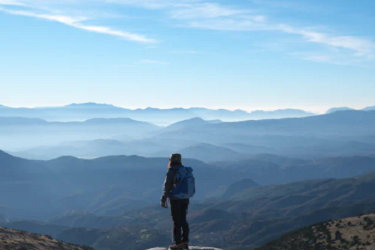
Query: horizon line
{"points": [[315, 112], [168, 108]]}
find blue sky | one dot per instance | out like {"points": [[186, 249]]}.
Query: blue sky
{"points": [[246, 54]]}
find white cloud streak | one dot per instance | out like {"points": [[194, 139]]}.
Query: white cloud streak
{"points": [[206, 15], [156, 4], [229, 25], [361, 46], [76, 22], [118, 33], [205, 10], [10, 2]]}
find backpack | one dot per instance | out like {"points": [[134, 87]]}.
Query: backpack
{"points": [[184, 183]]}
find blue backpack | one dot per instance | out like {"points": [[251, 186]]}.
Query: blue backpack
{"points": [[184, 183]]}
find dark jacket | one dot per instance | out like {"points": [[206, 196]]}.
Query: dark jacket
{"points": [[168, 183]]}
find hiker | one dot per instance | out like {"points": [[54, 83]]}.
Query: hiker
{"points": [[179, 187]]}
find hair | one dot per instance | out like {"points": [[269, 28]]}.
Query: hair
{"points": [[175, 160]]}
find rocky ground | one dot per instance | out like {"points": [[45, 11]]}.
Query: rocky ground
{"points": [[191, 248], [355, 233], [19, 240]]}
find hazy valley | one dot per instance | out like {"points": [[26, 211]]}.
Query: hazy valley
{"points": [[98, 182]]}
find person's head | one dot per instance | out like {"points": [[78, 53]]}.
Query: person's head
{"points": [[175, 160]]}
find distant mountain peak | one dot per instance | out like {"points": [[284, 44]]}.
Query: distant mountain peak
{"points": [[280, 113], [150, 108], [194, 119], [281, 110], [188, 122], [240, 110], [90, 104], [369, 108], [197, 108], [161, 109], [65, 159], [332, 110], [109, 119]]}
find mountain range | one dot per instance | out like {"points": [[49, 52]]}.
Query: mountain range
{"points": [[110, 185], [245, 217], [30, 132], [43, 189], [163, 117], [332, 110], [84, 111], [345, 133], [258, 215], [323, 127], [257, 179]]}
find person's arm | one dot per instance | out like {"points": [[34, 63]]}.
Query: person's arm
{"points": [[168, 185]]}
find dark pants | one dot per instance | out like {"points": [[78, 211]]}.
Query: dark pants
{"points": [[180, 225]]}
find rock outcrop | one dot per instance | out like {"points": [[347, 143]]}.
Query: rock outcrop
{"points": [[191, 248]]}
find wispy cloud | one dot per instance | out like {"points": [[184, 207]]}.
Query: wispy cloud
{"points": [[77, 22], [361, 46], [11, 2], [214, 16], [202, 14], [58, 18], [334, 57], [156, 4], [205, 10], [229, 25]]}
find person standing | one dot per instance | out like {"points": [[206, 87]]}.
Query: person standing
{"points": [[179, 187]]}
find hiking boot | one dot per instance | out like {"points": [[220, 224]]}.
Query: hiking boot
{"points": [[186, 243], [178, 246]]}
